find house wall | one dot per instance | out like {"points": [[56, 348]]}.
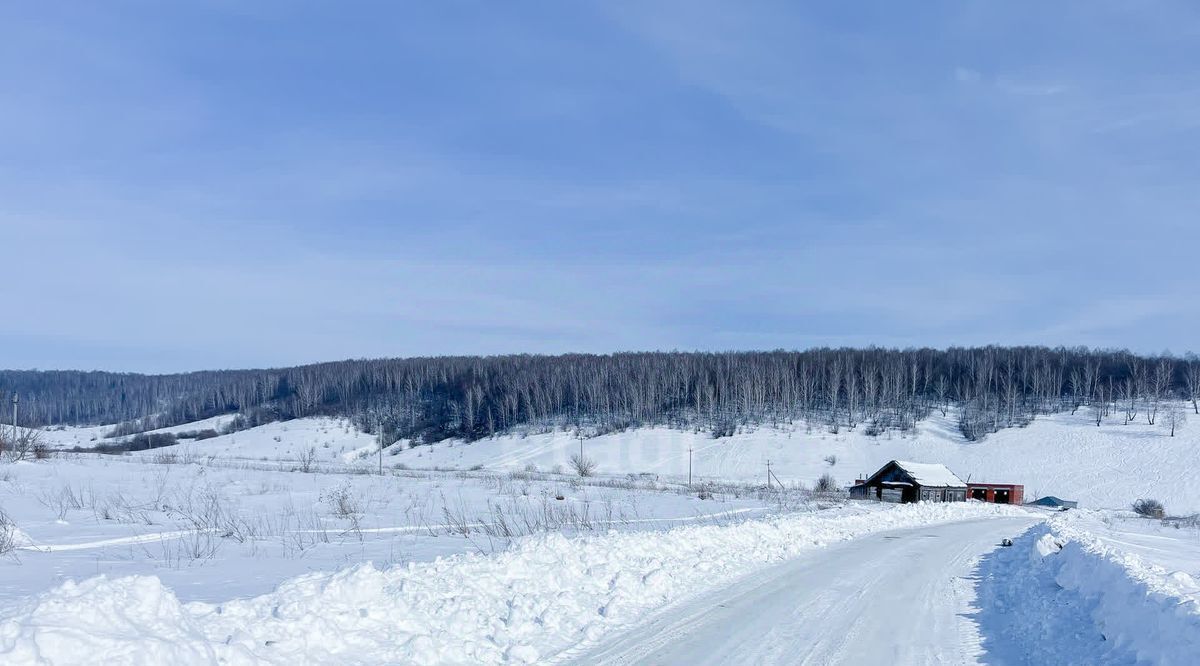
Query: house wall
{"points": [[1016, 492], [943, 494], [885, 493], [906, 494]]}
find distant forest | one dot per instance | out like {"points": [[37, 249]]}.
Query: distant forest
{"points": [[430, 399]]}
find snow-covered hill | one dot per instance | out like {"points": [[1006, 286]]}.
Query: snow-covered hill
{"points": [[86, 437], [1064, 455], [329, 441]]}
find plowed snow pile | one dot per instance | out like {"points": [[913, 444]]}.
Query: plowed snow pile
{"points": [[1071, 592], [542, 596]]}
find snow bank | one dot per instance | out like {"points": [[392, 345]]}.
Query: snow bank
{"points": [[543, 596], [133, 620], [1067, 596], [1144, 608]]}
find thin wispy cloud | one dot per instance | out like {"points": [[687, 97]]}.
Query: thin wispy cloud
{"points": [[214, 186]]}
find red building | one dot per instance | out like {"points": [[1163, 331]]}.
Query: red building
{"points": [[996, 493]]}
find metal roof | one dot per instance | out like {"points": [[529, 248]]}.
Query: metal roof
{"points": [[931, 474]]}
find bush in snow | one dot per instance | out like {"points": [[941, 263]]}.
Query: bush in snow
{"points": [[1150, 508], [8, 534], [20, 446], [723, 429], [583, 466], [826, 484], [832, 460], [306, 459], [342, 502]]}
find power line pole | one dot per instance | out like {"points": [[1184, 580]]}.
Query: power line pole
{"points": [[14, 422], [689, 467], [379, 429], [768, 475], [580, 435]]}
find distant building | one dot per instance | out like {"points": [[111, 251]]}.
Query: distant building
{"points": [[901, 482], [1054, 502], [997, 493]]}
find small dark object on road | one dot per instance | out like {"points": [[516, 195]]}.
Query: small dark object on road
{"points": [[1006, 542]]}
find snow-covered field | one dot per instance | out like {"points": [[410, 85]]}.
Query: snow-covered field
{"points": [[281, 543], [218, 528], [86, 437]]}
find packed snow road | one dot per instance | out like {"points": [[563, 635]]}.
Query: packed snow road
{"points": [[900, 597]]}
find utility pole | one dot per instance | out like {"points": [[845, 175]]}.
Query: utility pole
{"points": [[379, 429], [768, 475], [580, 435], [14, 423], [689, 467]]}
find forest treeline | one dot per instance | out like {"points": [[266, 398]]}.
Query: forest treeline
{"points": [[430, 399]]}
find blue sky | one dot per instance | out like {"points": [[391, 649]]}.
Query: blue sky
{"points": [[231, 184]]}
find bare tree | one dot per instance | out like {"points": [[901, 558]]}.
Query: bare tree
{"points": [[1129, 398], [1174, 416], [941, 391], [833, 389], [1160, 385], [583, 465], [1191, 381], [1077, 389], [28, 444], [1098, 408]]}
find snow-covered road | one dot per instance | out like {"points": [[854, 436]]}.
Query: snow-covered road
{"points": [[898, 597]]}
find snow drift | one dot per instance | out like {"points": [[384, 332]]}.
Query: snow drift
{"points": [[1066, 595], [1153, 613], [545, 594]]}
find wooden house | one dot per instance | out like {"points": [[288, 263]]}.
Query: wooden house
{"points": [[901, 481]]}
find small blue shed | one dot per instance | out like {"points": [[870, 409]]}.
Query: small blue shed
{"points": [[1054, 502]]}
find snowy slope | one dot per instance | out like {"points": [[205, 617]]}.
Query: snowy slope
{"points": [[332, 440], [214, 423], [1063, 455], [69, 437], [85, 437]]}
